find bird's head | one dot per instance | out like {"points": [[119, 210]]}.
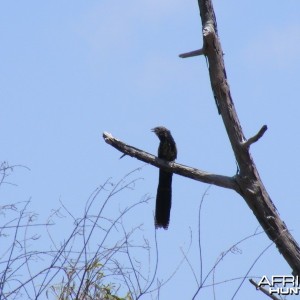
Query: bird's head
{"points": [[161, 131]]}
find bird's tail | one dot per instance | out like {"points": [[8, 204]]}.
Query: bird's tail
{"points": [[163, 200]]}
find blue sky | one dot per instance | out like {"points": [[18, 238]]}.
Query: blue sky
{"points": [[72, 70]]}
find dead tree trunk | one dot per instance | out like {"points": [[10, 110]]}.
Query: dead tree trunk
{"points": [[247, 182]]}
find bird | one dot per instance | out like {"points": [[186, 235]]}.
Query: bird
{"points": [[167, 150]]}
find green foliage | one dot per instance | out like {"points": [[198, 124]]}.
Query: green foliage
{"points": [[86, 284]]}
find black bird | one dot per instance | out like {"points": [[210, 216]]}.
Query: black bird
{"points": [[167, 151]]}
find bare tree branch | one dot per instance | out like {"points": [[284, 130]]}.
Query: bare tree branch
{"points": [[251, 186], [87, 260], [192, 53], [193, 173], [263, 290], [256, 137], [247, 183]]}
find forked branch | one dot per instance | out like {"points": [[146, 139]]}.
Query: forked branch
{"points": [[251, 186], [247, 183]]}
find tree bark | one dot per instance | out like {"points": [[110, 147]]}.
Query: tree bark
{"points": [[247, 182], [251, 186]]}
